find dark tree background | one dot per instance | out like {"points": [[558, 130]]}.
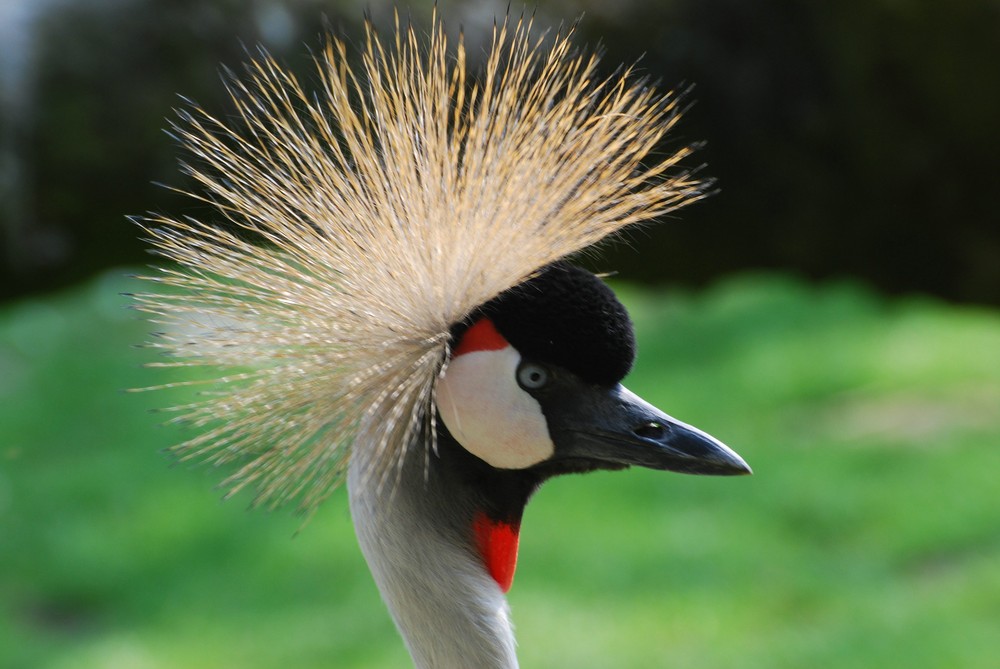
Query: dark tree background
{"points": [[856, 138]]}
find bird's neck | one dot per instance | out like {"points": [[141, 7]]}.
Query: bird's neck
{"points": [[442, 544]]}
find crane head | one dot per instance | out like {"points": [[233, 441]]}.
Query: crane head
{"points": [[533, 390], [535, 382]]}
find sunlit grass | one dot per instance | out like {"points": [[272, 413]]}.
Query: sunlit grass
{"points": [[869, 535]]}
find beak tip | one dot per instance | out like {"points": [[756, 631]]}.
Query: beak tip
{"points": [[745, 470], [728, 468], [736, 465]]}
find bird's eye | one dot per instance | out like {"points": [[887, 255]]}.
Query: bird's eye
{"points": [[532, 376]]}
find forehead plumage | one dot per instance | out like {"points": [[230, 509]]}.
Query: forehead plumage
{"points": [[568, 317]]}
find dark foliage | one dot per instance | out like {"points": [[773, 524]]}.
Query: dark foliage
{"points": [[850, 138]]}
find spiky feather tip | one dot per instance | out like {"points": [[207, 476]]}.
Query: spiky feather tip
{"points": [[355, 225]]}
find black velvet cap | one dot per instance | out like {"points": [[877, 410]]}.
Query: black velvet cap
{"points": [[568, 317]]}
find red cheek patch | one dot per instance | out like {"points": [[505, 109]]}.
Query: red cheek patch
{"points": [[497, 544], [482, 336]]}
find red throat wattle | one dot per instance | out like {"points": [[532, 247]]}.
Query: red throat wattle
{"points": [[497, 544]]}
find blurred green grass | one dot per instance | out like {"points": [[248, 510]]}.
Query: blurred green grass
{"points": [[869, 536]]}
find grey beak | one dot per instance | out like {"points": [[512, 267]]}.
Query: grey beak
{"points": [[615, 427]]}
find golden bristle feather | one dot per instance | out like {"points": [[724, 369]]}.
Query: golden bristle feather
{"points": [[358, 224]]}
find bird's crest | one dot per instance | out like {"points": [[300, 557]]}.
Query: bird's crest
{"points": [[355, 225]]}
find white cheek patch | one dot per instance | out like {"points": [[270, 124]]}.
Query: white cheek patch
{"points": [[489, 414]]}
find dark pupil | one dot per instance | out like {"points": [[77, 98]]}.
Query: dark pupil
{"points": [[535, 377]]}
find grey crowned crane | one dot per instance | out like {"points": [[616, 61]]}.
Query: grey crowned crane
{"points": [[386, 292]]}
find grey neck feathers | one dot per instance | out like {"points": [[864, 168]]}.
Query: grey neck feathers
{"points": [[416, 536]]}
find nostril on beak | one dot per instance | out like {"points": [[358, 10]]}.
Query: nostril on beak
{"points": [[651, 430]]}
